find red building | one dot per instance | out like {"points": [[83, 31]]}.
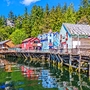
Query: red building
{"points": [[31, 44]]}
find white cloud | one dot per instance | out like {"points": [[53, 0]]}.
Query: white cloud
{"points": [[28, 2], [8, 2]]}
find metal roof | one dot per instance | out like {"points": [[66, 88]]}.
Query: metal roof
{"points": [[30, 39], [26, 39], [78, 29], [2, 42]]}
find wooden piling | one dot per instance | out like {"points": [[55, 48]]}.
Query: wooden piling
{"points": [[59, 65], [54, 58], [70, 63], [49, 60], [25, 57], [89, 78], [79, 67], [89, 68], [61, 61]]}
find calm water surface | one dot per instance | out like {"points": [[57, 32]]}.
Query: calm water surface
{"points": [[42, 76]]}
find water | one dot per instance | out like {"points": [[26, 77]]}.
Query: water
{"points": [[41, 76]]}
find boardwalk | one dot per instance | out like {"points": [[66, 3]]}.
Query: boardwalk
{"points": [[78, 60]]}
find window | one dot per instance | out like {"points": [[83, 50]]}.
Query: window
{"points": [[60, 37], [50, 41], [36, 41], [41, 37], [46, 36], [24, 45], [50, 34]]}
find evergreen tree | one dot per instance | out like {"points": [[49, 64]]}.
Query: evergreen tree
{"points": [[64, 8], [36, 20], [70, 15], [56, 18], [11, 16], [41, 20], [83, 14], [2, 21], [85, 3], [46, 20], [18, 22], [25, 22]]}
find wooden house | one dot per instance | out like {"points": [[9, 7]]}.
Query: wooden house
{"points": [[31, 44], [74, 37], [44, 41], [56, 40], [49, 40], [10, 44], [5, 45], [18, 47]]}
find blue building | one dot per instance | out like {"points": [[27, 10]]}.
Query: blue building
{"points": [[74, 36], [49, 40]]}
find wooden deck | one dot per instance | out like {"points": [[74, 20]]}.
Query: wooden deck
{"points": [[77, 60]]}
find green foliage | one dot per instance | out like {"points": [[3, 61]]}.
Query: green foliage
{"points": [[11, 15], [85, 3], [2, 21], [18, 36], [18, 22], [46, 20], [41, 20], [70, 15], [55, 18], [36, 20], [3, 34], [64, 8]]}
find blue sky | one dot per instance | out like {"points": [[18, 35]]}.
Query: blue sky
{"points": [[17, 6]]}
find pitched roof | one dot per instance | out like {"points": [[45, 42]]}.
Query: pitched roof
{"points": [[55, 33], [34, 39], [2, 42], [10, 44], [26, 39], [79, 29], [31, 39]]}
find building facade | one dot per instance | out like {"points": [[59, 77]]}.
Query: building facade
{"points": [[31, 44], [74, 36], [6, 45], [49, 40]]}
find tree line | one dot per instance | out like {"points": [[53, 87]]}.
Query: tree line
{"points": [[40, 20]]}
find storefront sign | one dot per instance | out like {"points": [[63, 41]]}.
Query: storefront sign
{"points": [[79, 36]]}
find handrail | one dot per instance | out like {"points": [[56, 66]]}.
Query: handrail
{"points": [[56, 51]]}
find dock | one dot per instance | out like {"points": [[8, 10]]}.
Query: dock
{"points": [[79, 62]]}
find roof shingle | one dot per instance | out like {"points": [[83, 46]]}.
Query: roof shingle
{"points": [[78, 29]]}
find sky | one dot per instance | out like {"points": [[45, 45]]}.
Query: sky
{"points": [[18, 6]]}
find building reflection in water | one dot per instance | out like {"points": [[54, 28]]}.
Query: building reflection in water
{"points": [[47, 80], [57, 78]]}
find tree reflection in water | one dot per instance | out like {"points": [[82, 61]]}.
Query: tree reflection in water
{"points": [[53, 77]]}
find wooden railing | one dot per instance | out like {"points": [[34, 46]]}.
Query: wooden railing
{"points": [[55, 51]]}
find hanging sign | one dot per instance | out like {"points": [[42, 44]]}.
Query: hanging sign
{"points": [[79, 36]]}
